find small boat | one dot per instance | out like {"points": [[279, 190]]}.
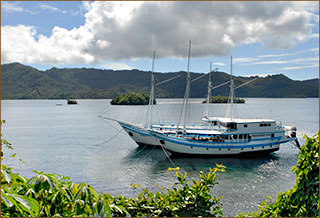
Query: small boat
{"points": [[227, 135]]}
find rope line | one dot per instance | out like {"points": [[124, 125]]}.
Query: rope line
{"points": [[105, 142], [164, 150]]}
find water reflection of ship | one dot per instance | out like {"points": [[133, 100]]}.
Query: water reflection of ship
{"points": [[159, 162]]}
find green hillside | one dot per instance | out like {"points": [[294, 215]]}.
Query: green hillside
{"points": [[23, 82]]}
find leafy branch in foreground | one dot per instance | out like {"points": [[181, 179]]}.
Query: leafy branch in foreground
{"points": [[49, 195], [303, 199]]}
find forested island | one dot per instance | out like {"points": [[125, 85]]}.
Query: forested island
{"points": [[223, 99], [24, 82], [131, 98]]}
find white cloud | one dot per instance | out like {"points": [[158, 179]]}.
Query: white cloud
{"points": [[10, 7], [297, 60], [275, 55], [117, 66], [316, 50], [243, 60], [48, 7], [64, 46], [300, 67], [219, 64], [130, 29], [261, 75]]}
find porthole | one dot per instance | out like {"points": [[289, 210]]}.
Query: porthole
{"points": [[130, 134], [262, 146], [228, 149], [162, 142], [252, 148], [191, 146], [219, 149], [207, 148], [270, 146], [241, 149]]}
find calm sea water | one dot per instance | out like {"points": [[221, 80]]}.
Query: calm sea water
{"points": [[73, 140]]}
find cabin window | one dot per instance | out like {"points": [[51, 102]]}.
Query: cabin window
{"points": [[272, 135], [261, 124], [231, 125], [235, 136], [245, 125], [269, 124], [240, 136], [249, 138]]}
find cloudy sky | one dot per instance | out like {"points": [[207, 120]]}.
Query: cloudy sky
{"points": [[263, 37]]}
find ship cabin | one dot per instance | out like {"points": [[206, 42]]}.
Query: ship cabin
{"points": [[242, 125]]}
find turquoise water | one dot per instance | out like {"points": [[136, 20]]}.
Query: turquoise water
{"points": [[72, 140]]}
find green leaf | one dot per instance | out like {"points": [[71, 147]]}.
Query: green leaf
{"points": [[6, 175], [6, 199]]}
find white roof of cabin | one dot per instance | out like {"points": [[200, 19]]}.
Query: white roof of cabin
{"points": [[239, 120]]}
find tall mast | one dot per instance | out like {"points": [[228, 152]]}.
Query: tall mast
{"points": [[151, 96], [209, 92], [187, 89], [231, 92]]}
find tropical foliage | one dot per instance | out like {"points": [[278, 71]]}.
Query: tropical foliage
{"points": [[303, 199], [223, 99], [131, 98], [55, 195]]}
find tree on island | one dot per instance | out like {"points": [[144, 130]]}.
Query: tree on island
{"points": [[131, 98], [223, 99]]}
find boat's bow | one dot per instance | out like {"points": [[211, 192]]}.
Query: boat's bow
{"points": [[291, 134]]}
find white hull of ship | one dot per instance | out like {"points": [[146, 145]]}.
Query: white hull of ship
{"points": [[139, 134], [192, 147]]}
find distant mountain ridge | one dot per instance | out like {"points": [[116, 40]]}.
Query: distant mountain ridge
{"points": [[19, 81]]}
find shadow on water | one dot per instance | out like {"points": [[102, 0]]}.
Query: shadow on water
{"points": [[160, 162]]}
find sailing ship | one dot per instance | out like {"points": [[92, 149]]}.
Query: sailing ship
{"points": [[140, 133], [226, 135]]}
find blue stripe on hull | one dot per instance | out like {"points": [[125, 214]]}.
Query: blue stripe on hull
{"points": [[216, 146], [134, 129]]}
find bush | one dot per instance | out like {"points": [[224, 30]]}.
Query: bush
{"points": [[54, 195], [303, 199]]}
